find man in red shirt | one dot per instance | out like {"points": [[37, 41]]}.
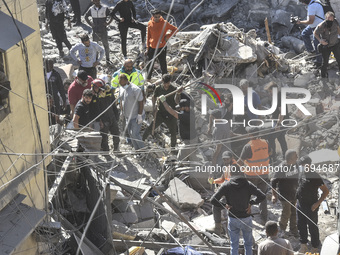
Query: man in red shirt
{"points": [[156, 40], [75, 91]]}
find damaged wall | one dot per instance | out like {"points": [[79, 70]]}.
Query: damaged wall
{"points": [[18, 129]]}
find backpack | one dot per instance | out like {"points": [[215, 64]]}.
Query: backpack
{"points": [[326, 6]]}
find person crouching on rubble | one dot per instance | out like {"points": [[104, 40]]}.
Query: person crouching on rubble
{"points": [[327, 34], [104, 100], [238, 192], [186, 127]]}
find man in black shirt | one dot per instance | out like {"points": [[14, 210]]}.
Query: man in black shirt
{"points": [[127, 19], [287, 181], [81, 115], [308, 204], [238, 192], [187, 129], [277, 131], [56, 11], [163, 116]]}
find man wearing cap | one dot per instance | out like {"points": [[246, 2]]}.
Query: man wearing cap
{"points": [[132, 109], [186, 126], [157, 38], [228, 164], [127, 19], [255, 159], [163, 116], [238, 192], [89, 53], [75, 91], [273, 244]]}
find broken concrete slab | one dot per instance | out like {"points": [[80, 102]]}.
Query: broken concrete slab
{"points": [[324, 156], [182, 195], [204, 222], [121, 231], [168, 226], [143, 210], [126, 217], [302, 80], [293, 43], [144, 224]]}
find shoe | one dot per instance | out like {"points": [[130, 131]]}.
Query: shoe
{"points": [[294, 233], [303, 248], [61, 54], [217, 229]]}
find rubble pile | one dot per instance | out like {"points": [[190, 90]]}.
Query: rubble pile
{"points": [[232, 46]]}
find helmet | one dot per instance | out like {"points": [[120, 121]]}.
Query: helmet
{"points": [[99, 83]]}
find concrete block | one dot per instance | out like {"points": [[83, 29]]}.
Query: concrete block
{"points": [[126, 217], [258, 16], [293, 43], [204, 222], [302, 80], [144, 224], [182, 195], [324, 156], [144, 211], [113, 191], [169, 226]]}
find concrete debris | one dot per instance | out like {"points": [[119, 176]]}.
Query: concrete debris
{"points": [[182, 195], [121, 231]]}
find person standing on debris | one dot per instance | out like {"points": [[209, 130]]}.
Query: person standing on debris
{"points": [[163, 116], [238, 192], [54, 85], [308, 204], [287, 181], [273, 244], [315, 15], [157, 38], [134, 76], [228, 164], [82, 110], [99, 15], [87, 53], [75, 91], [132, 109], [220, 133], [244, 85], [277, 131], [327, 34], [255, 157], [56, 11], [186, 126], [105, 99], [77, 13], [127, 19]]}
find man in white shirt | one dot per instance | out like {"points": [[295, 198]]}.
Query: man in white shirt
{"points": [[315, 15], [87, 53]]}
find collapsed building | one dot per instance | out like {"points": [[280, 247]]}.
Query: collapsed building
{"points": [[122, 203]]}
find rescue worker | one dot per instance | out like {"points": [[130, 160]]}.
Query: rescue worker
{"points": [[105, 103], [255, 157]]}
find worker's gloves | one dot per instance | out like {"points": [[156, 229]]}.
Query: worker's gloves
{"points": [[211, 180], [162, 98], [139, 119]]}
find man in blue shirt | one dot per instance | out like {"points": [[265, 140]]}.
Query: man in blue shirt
{"points": [[315, 15]]}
